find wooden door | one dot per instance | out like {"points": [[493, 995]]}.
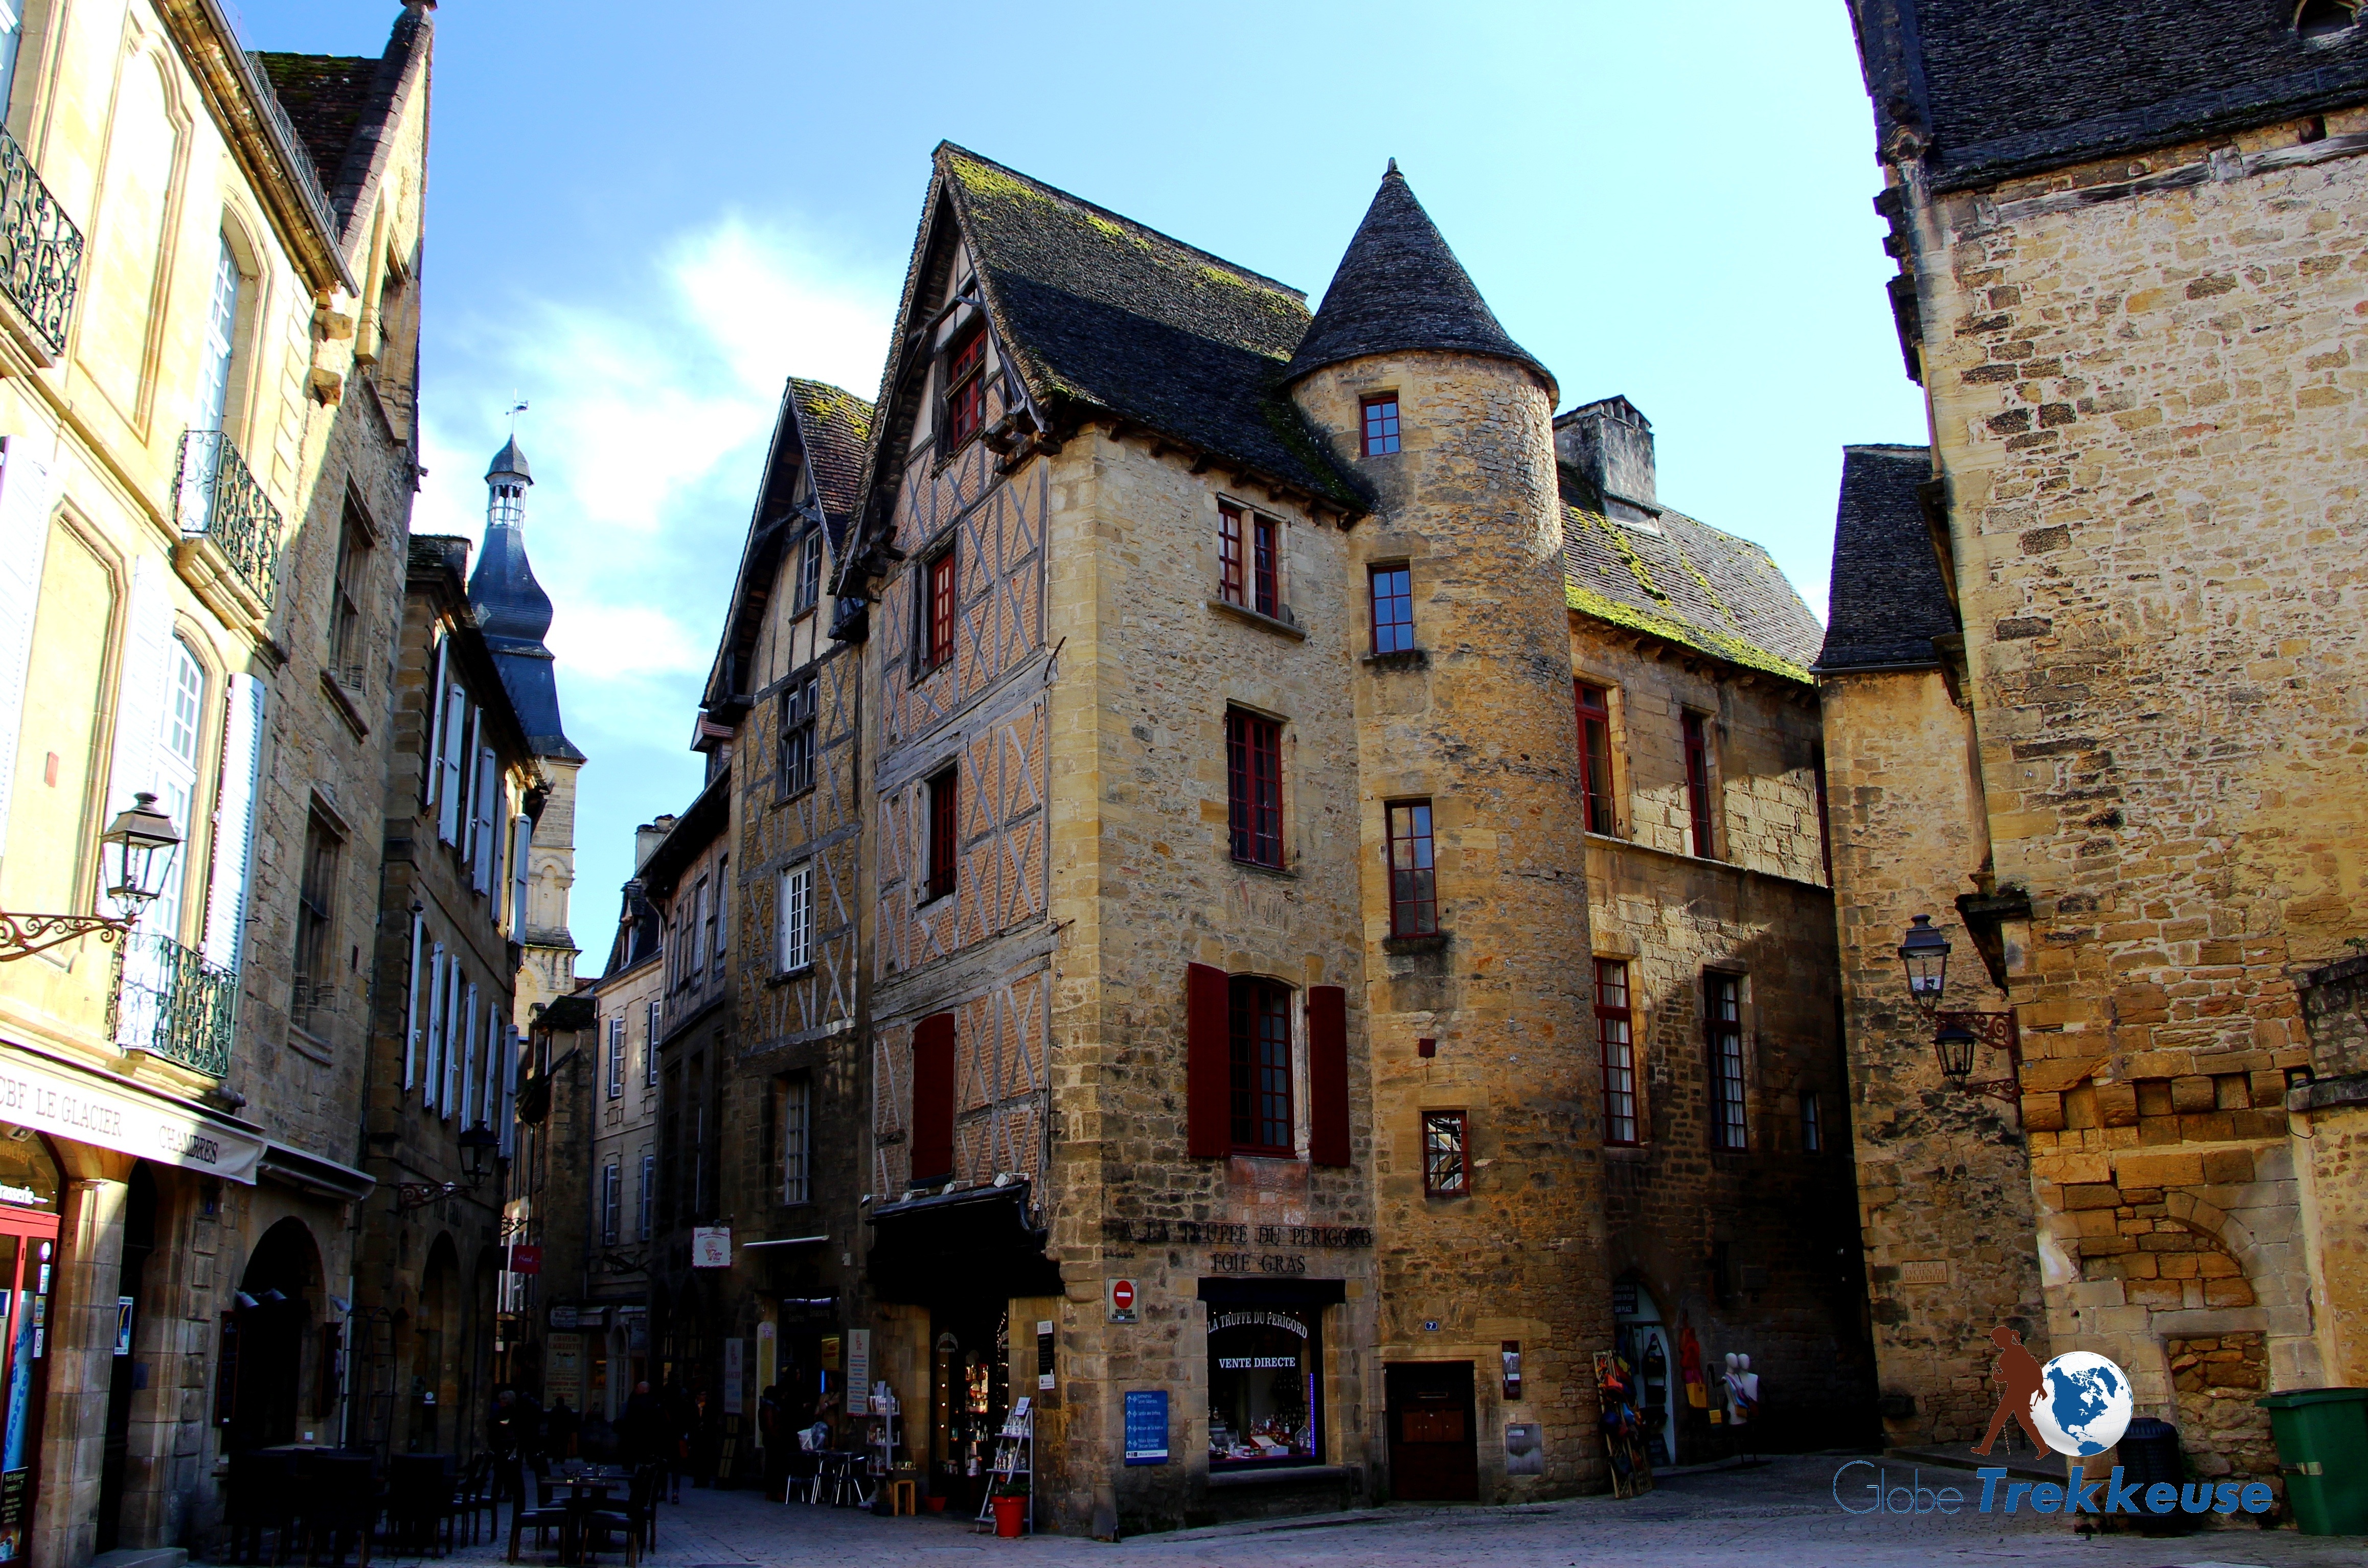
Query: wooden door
{"points": [[1434, 1440]]}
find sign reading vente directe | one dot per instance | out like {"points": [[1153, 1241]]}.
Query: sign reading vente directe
{"points": [[65, 1104]]}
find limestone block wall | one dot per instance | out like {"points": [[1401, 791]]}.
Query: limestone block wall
{"points": [[2145, 406], [1484, 726], [1141, 866], [1945, 1204]]}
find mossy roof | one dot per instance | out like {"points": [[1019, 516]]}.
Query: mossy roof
{"points": [[836, 426], [324, 95], [1095, 309], [1682, 580]]}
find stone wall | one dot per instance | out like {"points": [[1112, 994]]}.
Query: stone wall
{"points": [[1943, 1176]]}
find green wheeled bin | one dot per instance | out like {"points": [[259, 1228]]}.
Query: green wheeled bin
{"points": [[2323, 1448]]}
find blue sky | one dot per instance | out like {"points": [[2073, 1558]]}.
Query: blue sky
{"points": [[643, 218]]}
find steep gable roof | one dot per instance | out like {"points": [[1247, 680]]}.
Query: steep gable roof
{"points": [[1101, 312], [1399, 287], [825, 430], [1685, 581], [341, 106], [1888, 599]]}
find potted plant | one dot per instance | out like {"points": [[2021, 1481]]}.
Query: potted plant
{"points": [[1010, 1499]]}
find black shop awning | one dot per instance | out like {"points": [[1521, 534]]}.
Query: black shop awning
{"points": [[960, 1248]]}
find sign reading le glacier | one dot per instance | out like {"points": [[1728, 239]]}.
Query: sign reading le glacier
{"points": [[66, 1104]]}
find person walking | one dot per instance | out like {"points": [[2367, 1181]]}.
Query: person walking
{"points": [[677, 1431], [640, 1426]]}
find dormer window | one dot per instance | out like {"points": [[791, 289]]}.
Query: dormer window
{"points": [[965, 385], [1381, 422], [2318, 20]]}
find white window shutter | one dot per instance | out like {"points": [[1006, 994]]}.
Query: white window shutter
{"points": [[242, 773], [431, 756], [521, 846], [508, 1122], [464, 1095], [435, 1023], [448, 785], [447, 1099], [140, 700], [481, 828], [493, 1089], [24, 545], [411, 1006]]}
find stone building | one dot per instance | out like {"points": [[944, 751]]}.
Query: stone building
{"points": [[1201, 756], [462, 789], [2109, 752], [206, 381], [1728, 1183]]}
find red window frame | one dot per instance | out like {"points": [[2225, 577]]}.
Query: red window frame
{"points": [[1697, 728], [1254, 787], [1391, 597], [965, 386], [1729, 1126], [1230, 577], [1446, 1153], [1595, 756], [1615, 1036], [1380, 424], [937, 591], [945, 832], [1266, 552], [1414, 872], [1259, 1038]]}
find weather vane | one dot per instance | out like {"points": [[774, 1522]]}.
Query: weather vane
{"points": [[517, 406]]}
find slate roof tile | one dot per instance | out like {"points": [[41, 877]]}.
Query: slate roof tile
{"points": [[325, 96], [1888, 599], [1097, 309], [836, 426], [1688, 582]]}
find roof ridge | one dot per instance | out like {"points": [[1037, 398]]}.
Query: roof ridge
{"points": [[1120, 218]]}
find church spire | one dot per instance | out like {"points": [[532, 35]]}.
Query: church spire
{"points": [[512, 610]]}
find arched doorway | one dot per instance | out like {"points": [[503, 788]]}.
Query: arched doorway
{"points": [[28, 1246], [270, 1333], [131, 1305], [434, 1353], [1644, 1341]]}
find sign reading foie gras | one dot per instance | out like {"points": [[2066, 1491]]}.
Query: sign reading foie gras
{"points": [[66, 1104], [711, 1246]]}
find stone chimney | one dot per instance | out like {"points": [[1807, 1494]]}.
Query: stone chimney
{"points": [[648, 837], [1610, 444]]}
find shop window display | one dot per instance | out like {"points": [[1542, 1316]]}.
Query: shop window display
{"points": [[29, 1230], [1264, 1364]]}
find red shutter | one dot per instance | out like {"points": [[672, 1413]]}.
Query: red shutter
{"points": [[1328, 1075], [1209, 1063], [933, 1098]]}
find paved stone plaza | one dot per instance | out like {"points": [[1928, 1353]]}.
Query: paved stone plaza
{"points": [[1779, 1517]]}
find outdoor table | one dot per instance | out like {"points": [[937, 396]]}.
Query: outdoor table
{"points": [[585, 1493]]}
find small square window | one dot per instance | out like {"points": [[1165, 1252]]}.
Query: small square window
{"points": [[1445, 1171], [1381, 425], [965, 386]]}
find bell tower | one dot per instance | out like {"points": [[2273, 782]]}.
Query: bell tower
{"points": [[515, 614], [1448, 423]]}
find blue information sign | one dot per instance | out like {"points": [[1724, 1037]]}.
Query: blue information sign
{"points": [[1146, 1426]]}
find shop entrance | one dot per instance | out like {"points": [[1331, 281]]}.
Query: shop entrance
{"points": [[28, 1246], [138, 1241], [1434, 1440], [1643, 1341], [969, 1395], [265, 1340]]}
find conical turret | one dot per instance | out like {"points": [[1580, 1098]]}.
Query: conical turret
{"points": [[512, 609]]}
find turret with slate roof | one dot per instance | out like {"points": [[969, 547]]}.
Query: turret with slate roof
{"points": [[512, 608]]}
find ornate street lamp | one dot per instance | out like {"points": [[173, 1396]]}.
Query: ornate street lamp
{"points": [[1958, 1037], [136, 855], [477, 1145], [1925, 957]]}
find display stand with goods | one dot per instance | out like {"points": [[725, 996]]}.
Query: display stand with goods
{"points": [[1624, 1430], [884, 1430], [1010, 1507]]}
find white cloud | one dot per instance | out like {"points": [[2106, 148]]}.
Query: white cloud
{"points": [[649, 420]]}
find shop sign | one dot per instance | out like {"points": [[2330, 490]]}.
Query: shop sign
{"points": [[858, 1362], [1193, 1233], [711, 1246], [563, 1370], [564, 1314], [16, 1491], [86, 1110], [1146, 1425], [636, 1324], [525, 1259], [1121, 1301], [1043, 1354], [1257, 1263]]}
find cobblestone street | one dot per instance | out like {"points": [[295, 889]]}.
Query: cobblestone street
{"points": [[1779, 1517]]}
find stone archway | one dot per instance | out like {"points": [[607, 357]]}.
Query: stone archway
{"points": [[435, 1349], [277, 1303]]}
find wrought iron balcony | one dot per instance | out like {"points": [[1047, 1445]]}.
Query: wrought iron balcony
{"points": [[41, 250], [168, 1001], [218, 501]]}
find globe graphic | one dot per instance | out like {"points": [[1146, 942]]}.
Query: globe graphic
{"points": [[2084, 1403]]}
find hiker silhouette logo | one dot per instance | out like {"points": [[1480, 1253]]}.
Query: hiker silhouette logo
{"points": [[2078, 1404]]}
